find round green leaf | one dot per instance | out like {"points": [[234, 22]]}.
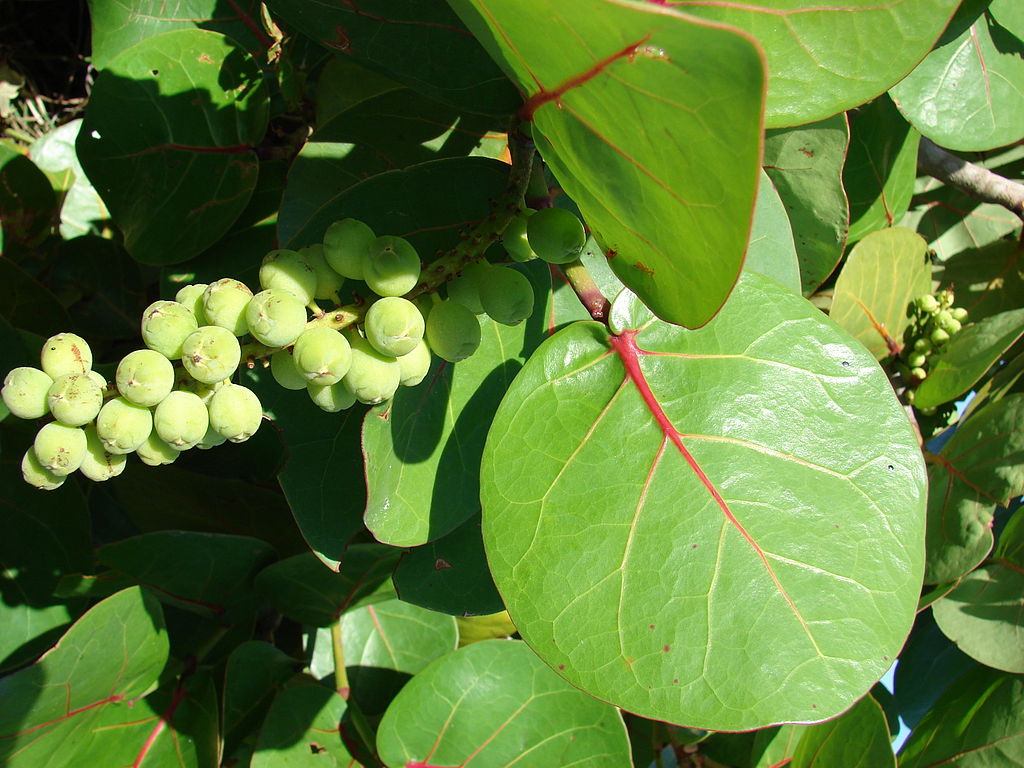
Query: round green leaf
{"points": [[810, 76], [968, 94], [721, 527], [168, 141], [495, 703], [302, 729], [859, 738]]}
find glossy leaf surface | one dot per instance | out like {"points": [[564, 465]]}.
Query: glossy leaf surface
{"points": [[810, 76], [600, 69], [771, 250], [882, 275], [859, 738], [712, 494], [495, 703], [180, 172]]}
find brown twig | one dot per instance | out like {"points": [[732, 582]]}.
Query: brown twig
{"points": [[973, 180]]}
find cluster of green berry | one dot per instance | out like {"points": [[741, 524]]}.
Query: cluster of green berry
{"points": [[934, 321]]}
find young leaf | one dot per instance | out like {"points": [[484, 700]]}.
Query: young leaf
{"points": [[763, 458], [496, 703], [599, 70]]}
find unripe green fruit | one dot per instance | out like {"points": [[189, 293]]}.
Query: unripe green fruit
{"points": [[65, 353], [74, 399], [946, 322], [919, 373], [945, 298], [939, 337], [181, 420], [415, 365], [347, 246], [35, 474], [392, 267], [211, 439], [193, 296], [165, 325], [394, 326], [959, 314], [97, 464], [333, 398], [515, 240], [26, 391], [328, 282], [145, 377], [235, 412], [211, 354], [275, 317], [282, 368], [923, 345], [155, 452], [289, 271], [122, 426], [465, 289], [224, 304], [506, 296], [927, 303], [452, 332], [322, 355], [60, 449], [917, 360], [373, 377], [556, 235]]}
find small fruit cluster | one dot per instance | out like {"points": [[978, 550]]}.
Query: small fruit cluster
{"points": [[934, 321], [554, 235]]}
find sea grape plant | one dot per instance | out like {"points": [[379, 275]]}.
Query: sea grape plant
{"points": [[662, 388]]}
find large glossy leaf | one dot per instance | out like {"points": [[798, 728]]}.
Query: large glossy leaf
{"points": [[421, 44], [884, 272], [423, 446], [638, 487], [168, 141], [810, 76], [302, 729], [968, 93], [600, 69], [880, 167], [983, 614], [806, 165], [496, 703], [857, 739], [961, 362], [978, 723], [979, 469], [112, 654]]}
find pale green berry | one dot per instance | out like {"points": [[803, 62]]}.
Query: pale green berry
{"points": [[35, 474], [211, 439], [193, 296], [959, 313], [145, 377], [211, 354], [465, 288], [919, 373], [275, 317], [99, 465], [506, 296], [165, 325], [64, 354], [346, 247], [224, 303], [155, 451], [373, 377], [25, 392], [235, 412], [328, 282], [122, 426], [927, 303], [452, 331], [282, 368], [415, 365], [515, 240], [74, 399], [392, 267], [923, 345], [333, 398], [322, 355], [556, 235], [939, 337], [181, 420], [945, 321], [394, 326], [59, 448], [289, 271], [917, 360]]}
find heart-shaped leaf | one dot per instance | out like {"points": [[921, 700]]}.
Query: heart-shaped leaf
{"points": [[968, 94], [168, 141], [806, 165], [747, 463], [113, 653], [496, 703], [955, 367], [675, 234], [979, 469], [810, 77], [983, 614], [884, 272]]}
